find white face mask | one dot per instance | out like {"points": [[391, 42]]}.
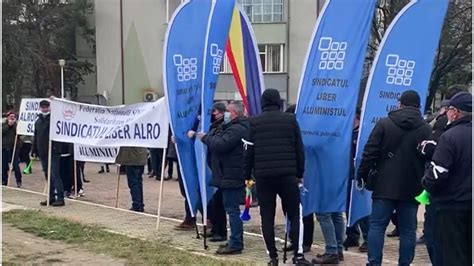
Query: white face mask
{"points": [[45, 113], [227, 117]]}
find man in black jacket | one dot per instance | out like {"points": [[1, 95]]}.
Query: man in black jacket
{"points": [[227, 147], [275, 157], [218, 218], [449, 182], [392, 151], [427, 149], [40, 148]]}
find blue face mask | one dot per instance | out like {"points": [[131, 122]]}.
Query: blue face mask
{"points": [[227, 117]]}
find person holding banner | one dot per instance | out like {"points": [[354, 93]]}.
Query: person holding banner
{"points": [[40, 147], [9, 138], [134, 159], [449, 182], [392, 167], [275, 156], [226, 145]]}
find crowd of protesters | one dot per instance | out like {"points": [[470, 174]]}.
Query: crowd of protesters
{"points": [[403, 156]]}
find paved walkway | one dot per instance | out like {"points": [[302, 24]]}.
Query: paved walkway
{"points": [[102, 190]]}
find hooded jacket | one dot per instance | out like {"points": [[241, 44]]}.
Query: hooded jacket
{"points": [[277, 153], [392, 150], [227, 148]]}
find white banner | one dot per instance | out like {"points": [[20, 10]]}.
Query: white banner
{"points": [[137, 125], [29, 111], [87, 153]]}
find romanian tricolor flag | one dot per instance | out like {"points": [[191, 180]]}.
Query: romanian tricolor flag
{"points": [[242, 52]]}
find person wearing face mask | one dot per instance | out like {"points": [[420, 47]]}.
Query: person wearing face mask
{"points": [[226, 147], [449, 182], [427, 149], [218, 218], [40, 148]]}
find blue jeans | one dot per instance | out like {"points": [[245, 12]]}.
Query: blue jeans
{"points": [[332, 226], [231, 198], [382, 210], [135, 183]]}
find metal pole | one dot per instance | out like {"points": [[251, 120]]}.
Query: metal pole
{"points": [[62, 63], [121, 52], [161, 188]]}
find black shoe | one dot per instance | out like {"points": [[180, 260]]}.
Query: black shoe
{"points": [[137, 209], [306, 249], [273, 262], [288, 248], [168, 178], [107, 169], [44, 203], [18, 184], [300, 260], [326, 259], [158, 178], [341, 256], [228, 251], [394, 233], [58, 203], [217, 239], [348, 243], [101, 171], [363, 248], [85, 180]]}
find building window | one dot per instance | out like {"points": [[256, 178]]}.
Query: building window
{"points": [[263, 11], [271, 57]]}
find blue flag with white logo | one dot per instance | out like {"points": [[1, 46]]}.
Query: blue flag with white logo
{"points": [[403, 62], [183, 56], [218, 30], [327, 101]]}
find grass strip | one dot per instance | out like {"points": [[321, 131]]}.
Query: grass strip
{"points": [[97, 240]]}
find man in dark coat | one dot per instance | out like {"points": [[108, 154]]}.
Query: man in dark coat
{"points": [[392, 151], [275, 158], [218, 218], [449, 182], [227, 145], [40, 148], [427, 149]]}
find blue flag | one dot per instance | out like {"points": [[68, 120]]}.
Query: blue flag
{"points": [[327, 101], [218, 30], [183, 56], [403, 62]]}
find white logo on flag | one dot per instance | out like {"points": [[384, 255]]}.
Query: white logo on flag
{"points": [[400, 72], [332, 54], [186, 67], [216, 54]]}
